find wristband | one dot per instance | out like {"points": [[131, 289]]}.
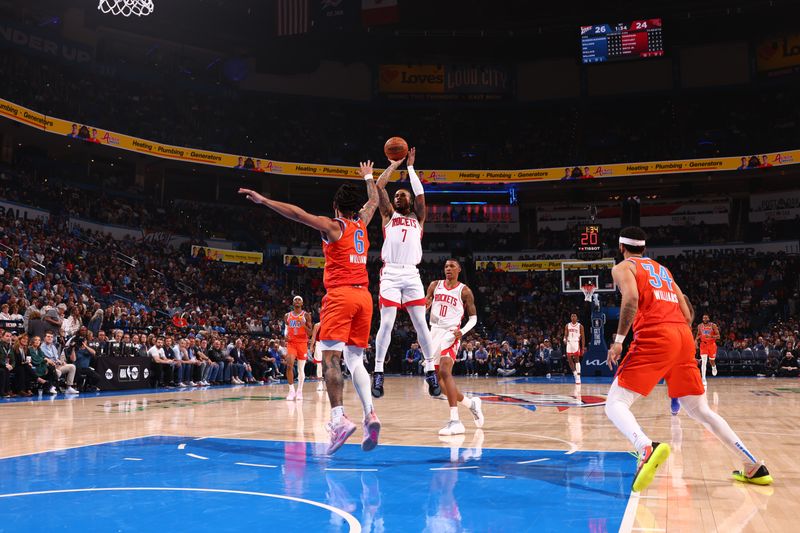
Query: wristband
{"points": [[368, 177], [619, 339]]}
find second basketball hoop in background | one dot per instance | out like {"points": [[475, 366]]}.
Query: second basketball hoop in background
{"points": [[126, 8]]}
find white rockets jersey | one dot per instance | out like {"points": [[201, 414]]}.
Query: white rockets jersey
{"points": [[573, 332], [447, 308], [402, 240]]}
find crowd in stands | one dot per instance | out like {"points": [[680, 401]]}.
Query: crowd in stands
{"points": [[176, 110], [89, 287]]}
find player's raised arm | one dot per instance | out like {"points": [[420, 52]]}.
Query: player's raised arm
{"points": [[384, 203], [376, 192], [416, 185], [324, 224]]}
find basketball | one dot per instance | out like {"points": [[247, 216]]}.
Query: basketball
{"points": [[395, 148]]}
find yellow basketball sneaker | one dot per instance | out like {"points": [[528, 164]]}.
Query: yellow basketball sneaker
{"points": [[757, 474], [653, 456]]}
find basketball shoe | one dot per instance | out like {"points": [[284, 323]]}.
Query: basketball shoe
{"points": [[372, 428], [653, 456], [377, 384], [340, 433], [714, 370], [675, 406], [757, 474], [477, 412], [433, 383], [453, 427]]}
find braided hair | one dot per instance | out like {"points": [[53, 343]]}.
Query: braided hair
{"points": [[349, 199]]}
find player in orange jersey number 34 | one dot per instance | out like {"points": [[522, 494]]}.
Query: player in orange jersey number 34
{"points": [[662, 348]]}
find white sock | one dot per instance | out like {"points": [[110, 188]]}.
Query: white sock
{"points": [[466, 402], [578, 368], [301, 374], [354, 359], [454, 413], [336, 414], [417, 315], [319, 370], [384, 336], [291, 388], [618, 410], [697, 407], [703, 363]]}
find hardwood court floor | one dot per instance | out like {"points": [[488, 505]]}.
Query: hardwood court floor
{"points": [[693, 491]]}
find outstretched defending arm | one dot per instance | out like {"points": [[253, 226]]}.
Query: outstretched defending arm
{"points": [[324, 224], [381, 196], [416, 185]]}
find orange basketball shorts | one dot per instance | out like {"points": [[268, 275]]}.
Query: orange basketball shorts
{"points": [[346, 316], [297, 349], [709, 349], [665, 351]]}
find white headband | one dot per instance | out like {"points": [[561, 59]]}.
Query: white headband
{"points": [[297, 298], [631, 242]]}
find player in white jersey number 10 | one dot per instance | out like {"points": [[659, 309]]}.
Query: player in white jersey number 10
{"points": [[400, 285], [447, 300]]}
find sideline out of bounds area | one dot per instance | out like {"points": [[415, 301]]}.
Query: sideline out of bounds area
{"points": [[93, 134]]}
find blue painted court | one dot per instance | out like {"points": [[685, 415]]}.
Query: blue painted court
{"points": [[184, 484]]}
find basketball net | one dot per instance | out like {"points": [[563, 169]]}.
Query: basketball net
{"points": [[127, 8], [588, 291]]}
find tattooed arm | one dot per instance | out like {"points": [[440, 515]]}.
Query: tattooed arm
{"points": [[626, 282]]}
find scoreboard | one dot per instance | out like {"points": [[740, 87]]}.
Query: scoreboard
{"points": [[604, 42], [588, 242]]}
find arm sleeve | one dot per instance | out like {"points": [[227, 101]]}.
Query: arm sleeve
{"points": [[416, 185], [473, 319]]}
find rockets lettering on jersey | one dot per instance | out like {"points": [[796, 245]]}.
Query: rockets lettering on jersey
{"points": [[402, 240], [447, 308], [574, 332]]}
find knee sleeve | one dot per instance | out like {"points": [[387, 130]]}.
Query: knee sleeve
{"points": [[353, 357], [619, 395]]}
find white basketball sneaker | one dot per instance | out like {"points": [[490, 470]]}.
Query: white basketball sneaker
{"points": [[291, 396], [453, 427], [477, 412], [714, 370]]}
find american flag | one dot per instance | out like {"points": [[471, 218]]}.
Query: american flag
{"points": [[293, 17]]}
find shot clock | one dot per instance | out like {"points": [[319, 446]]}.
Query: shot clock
{"points": [[588, 242]]}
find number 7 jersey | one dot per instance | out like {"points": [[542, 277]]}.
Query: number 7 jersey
{"points": [[658, 299], [402, 240]]}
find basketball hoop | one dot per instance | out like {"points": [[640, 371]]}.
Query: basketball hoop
{"points": [[127, 8], [588, 291]]}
